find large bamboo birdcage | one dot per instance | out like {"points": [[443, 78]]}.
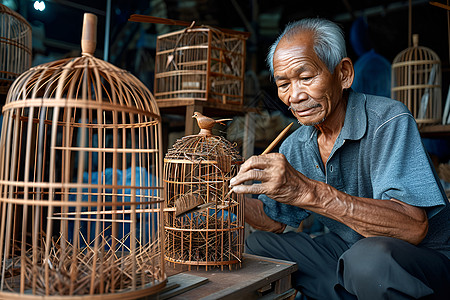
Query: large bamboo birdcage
{"points": [[15, 47], [416, 81], [201, 63], [204, 223], [80, 182]]}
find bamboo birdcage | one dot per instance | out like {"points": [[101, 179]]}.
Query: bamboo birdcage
{"points": [[80, 182], [199, 167], [200, 63], [416, 82], [15, 47]]}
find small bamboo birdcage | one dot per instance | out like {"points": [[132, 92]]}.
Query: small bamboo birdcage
{"points": [[15, 47], [80, 182], [197, 170], [201, 63], [416, 82]]}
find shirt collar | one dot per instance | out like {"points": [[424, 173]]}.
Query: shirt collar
{"points": [[355, 123]]}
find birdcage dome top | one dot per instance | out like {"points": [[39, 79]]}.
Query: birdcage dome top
{"points": [[6, 10], [83, 81], [197, 148], [416, 54]]}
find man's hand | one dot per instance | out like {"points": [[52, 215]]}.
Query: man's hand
{"points": [[369, 217], [279, 180]]}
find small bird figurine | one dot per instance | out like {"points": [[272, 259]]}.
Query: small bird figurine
{"points": [[206, 123]]}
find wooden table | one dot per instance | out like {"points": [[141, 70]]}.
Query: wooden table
{"points": [[258, 278]]}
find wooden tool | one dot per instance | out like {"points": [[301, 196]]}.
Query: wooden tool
{"points": [[277, 139], [269, 148]]}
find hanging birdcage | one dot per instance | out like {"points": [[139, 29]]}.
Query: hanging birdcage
{"points": [[15, 47], [204, 223], [416, 82], [80, 182]]}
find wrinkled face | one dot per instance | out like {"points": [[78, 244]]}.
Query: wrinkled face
{"points": [[304, 82]]}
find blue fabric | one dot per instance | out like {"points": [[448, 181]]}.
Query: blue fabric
{"points": [[359, 36], [378, 154], [143, 179], [372, 75]]}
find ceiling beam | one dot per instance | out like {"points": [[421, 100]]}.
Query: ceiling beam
{"points": [[376, 10], [82, 7]]}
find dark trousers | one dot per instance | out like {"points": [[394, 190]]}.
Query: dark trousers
{"points": [[373, 268]]}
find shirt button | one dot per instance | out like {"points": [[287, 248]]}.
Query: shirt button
{"points": [[331, 168]]}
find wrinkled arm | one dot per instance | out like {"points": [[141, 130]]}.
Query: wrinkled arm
{"points": [[256, 217], [369, 217]]}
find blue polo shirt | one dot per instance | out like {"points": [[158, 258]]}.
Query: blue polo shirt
{"points": [[378, 154]]}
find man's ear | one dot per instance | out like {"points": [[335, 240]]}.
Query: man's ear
{"points": [[347, 73]]}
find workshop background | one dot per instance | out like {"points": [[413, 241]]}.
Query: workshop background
{"points": [[379, 27]]}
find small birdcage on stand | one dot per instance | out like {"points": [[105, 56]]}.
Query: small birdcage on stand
{"points": [[15, 47], [204, 222], [80, 182], [416, 82]]}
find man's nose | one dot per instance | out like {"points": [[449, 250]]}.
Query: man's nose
{"points": [[297, 93]]}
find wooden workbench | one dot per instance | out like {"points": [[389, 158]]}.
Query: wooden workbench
{"points": [[258, 278]]}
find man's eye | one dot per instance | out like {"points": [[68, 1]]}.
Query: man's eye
{"points": [[306, 78], [283, 85]]}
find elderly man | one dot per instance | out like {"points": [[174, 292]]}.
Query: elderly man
{"points": [[359, 166]]}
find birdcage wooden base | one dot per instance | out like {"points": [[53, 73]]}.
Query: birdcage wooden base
{"points": [[232, 264], [134, 294], [213, 243], [67, 272]]}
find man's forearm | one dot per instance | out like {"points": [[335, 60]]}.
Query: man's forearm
{"points": [[256, 217], [369, 217]]}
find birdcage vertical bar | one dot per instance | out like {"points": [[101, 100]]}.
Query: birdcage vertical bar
{"points": [[7, 191], [208, 66]]}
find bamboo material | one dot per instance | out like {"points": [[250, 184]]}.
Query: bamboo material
{"points": [[81, 183], [416, 82], [15, 47], [200, 63], [198, 168], [277, 139]]}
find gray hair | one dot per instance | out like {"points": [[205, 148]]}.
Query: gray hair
{"points": [[329, 42]]}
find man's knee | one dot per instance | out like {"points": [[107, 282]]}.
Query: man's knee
{"points": [[367, 258], [372, 269]]}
